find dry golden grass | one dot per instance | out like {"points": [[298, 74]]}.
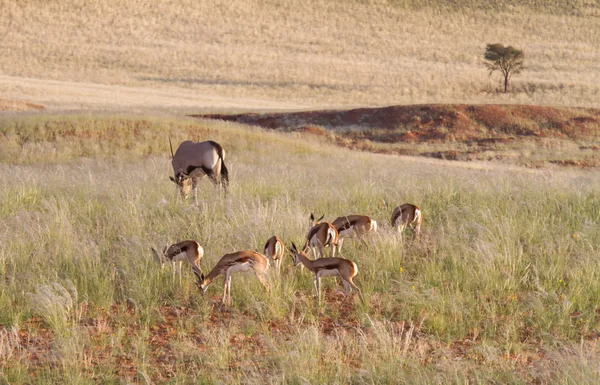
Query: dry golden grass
{"points": [[502, 288], [278, 55]]}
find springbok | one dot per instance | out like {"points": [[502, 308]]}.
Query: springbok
{"points": [[274, 249], [190, 251], [230, 263], [354, 225], [407, 215], [328, 267], [321, 234], [193, 160]]}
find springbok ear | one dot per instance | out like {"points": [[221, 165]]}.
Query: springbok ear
{"points": [[294, 248], [312, 216], [320, 219], [173, 180]]}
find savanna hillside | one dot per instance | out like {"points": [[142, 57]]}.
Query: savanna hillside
{"points": [[503, 287], [192, 56]]}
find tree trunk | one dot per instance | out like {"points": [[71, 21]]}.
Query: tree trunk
{"points": [[506, 84]]}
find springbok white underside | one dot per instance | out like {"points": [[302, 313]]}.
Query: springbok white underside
{"points": [[240, 267]]}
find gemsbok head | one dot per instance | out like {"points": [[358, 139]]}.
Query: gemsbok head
{"points": [[192, 161], [320, 235], [244, 260], [407, 215], [358, 226], [328, 267], [274, 249], [175, 254]]}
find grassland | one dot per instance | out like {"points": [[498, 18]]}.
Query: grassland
{"points": [[503, 287], [236, 55]]}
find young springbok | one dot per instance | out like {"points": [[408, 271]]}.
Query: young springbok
{"points": [[328, 267], [230, 263], [354, 226], [407, 215], [274, 249], [190, 251], [321, 234]]}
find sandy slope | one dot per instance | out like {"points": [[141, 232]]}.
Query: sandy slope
{"points": [[68, 95]]}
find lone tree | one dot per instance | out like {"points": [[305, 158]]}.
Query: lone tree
{"points": [[507, 60]]}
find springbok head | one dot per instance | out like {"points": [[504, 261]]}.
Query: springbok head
{"points": [[200, 281], [185, 184], [312, 222], [295, 259]]}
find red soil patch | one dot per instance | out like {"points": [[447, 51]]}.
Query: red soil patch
{"points": [[481, 127], [427, 123]]}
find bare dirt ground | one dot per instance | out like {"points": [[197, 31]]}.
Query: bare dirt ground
{"points": [[450, 131]]}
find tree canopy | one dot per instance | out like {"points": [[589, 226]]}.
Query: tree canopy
{"points": [[505, 59]]}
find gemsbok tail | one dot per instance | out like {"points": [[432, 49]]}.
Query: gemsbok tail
{"points": [[224, 174], [224, 171]]}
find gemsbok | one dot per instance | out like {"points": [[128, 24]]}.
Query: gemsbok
{"points": [[175, 254], [193, 160], [274, 249], [354, 226], [244, 260], [321, 234], [407, 215], [328, 267]]}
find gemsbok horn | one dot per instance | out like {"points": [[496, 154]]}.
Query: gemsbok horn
{"points": [[193, 160], [329, 267], [407, 215], [244, 260], [175, 254]]}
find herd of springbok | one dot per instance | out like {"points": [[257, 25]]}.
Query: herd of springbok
{"points": [[192, 161]]}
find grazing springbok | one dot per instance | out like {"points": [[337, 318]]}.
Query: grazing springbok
{"points": [[190, 251], [354, 226], [230, 263], [274, 249], [328, 267], [321, 234], [407, 215], [193, 160]]}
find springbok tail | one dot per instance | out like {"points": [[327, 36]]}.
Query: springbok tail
{"points": [[373, 226], [332, 235]]}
